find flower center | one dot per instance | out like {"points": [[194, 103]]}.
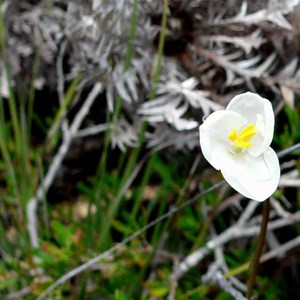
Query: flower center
{"points": [[241, 139]]}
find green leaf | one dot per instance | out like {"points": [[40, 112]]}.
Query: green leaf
{"points": [[121, 227], [157, 288], [120, 296], [62, 233]]}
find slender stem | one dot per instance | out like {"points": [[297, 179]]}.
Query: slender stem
{"points": [[263, 230], [161, 46], [259, 248]]}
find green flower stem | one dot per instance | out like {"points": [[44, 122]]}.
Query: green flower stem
{"points": [[131, 162], [259, 248], [161, 46]]}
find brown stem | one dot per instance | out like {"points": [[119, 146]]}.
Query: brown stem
{"points": [[259, 248]]}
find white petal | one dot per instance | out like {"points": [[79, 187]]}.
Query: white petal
{"points": [[214, 135], [258, 179], [258, 111]]}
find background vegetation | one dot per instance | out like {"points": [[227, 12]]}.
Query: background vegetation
{"points": [[101, 101]]}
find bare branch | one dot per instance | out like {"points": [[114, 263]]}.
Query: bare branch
{"points": [[56, 164], [232, 233]]}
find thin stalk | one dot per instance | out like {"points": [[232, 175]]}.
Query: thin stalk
{"points": [[118, 106], [25, 164], [155, 241], [6, 246], [238, 270], [31, 96], [113, 120], [10, 179], [205, 227], [259, 248], [157, 71], [135, 153], [131, 37], [141, 189], [161, 46], [195, 291], [12, 100]]}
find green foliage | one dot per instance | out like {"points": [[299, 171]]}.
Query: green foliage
{"points": [[290, 130], [272, 290]]}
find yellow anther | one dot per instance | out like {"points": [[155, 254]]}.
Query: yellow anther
{"points": [[248, 132], [232, 135], [241, 139]]}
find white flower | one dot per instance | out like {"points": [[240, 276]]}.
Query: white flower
{"points": [[237, 142]]}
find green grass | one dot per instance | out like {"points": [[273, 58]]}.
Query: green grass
{"points": [[68, 240]]}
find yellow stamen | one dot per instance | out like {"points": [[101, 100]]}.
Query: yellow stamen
{"points": [[241, 139], [232, 135]]}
